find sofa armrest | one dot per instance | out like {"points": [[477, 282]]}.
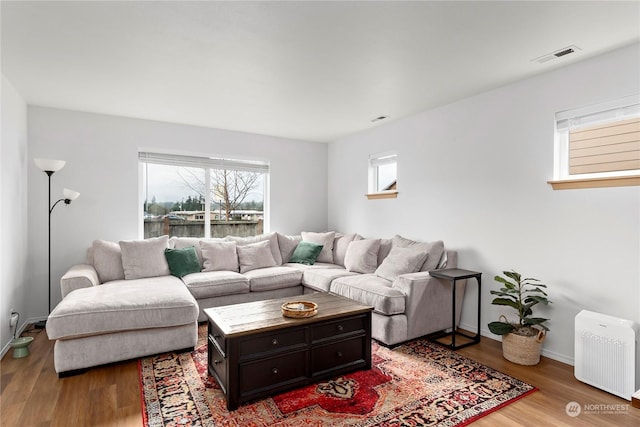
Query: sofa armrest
{"points": [[77, 277], [428, 300]]}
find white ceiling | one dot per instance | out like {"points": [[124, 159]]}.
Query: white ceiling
{"points": [[315, 71]]}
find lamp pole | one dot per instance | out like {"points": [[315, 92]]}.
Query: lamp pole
{"points": [[49, 167]]}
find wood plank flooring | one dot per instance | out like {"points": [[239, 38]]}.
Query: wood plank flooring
{"points": [[32, 394]]}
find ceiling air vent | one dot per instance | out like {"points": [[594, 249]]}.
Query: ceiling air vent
{"points": [[557, 54]]}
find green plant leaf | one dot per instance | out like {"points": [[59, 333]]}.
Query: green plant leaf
{"points": [[513, 275], [500, 328], [507, 283], [505, 301]]}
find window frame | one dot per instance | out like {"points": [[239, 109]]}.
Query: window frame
{"points": [[375, 161], [205, 162], [608, 112]]}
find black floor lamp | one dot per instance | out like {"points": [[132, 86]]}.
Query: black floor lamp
{"points": [[49, 167]]}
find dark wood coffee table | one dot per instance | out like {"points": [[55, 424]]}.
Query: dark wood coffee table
{"points": [[254, 351]]}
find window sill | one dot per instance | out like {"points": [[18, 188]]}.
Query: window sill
{"points": [[385, 195], [620, 181]]}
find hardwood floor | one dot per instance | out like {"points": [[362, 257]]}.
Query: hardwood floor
{"points": [[32, 394]]}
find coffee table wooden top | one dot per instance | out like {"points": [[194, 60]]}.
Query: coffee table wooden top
{"points": [[260, 316]]}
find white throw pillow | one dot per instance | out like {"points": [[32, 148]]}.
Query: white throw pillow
{"points": [[272, 238], [145, 258], [107, 260], [185, 242], [219, 256], [254, 256], [362, 256], [401, 261], [324, 239]]}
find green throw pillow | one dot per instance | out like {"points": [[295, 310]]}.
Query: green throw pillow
{"points": [[182, 261], [306, 253]]}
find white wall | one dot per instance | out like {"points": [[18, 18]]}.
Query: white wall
{"points": [[13, 210], [474, 174], [102, 164]]}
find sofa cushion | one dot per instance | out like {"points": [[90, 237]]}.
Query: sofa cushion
{"points": [[185, 242], [144, 258], [306, 253], [287, 245], [362, 256], [266, 279], [371, 290], [107, 260], [401, 261], [324, 239], [305, 267], [123, 305], [255, 255], [385, 248], [272, 238], [182, 261], [220, 255], [209, 284], [320, 279], [434, 249], [340, 245]]}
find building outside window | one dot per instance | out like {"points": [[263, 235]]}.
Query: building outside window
{"points": [[598, 141], [192, 196]]}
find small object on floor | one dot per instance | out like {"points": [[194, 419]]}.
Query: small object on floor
{"points": [[40, 325], [21, 346]]}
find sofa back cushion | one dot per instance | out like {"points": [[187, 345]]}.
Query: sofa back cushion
{"points": [[272, 238], [185, 242], [219, 256], [362, 256], [254, 256], [324, 239], [107, 260], [287, 245], [401, 261], [340, 245], [144, 258], [434, 249]]}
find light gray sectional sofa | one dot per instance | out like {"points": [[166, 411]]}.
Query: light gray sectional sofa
{"points": [[125, 303]]}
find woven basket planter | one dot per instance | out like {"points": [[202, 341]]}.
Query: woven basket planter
{"points": [[522, 350]]}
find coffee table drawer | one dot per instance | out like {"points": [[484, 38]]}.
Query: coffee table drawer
{"points": [[218, 363], [217, 335], [337, 328], [256, 377], [337, 355], [271, 342]]}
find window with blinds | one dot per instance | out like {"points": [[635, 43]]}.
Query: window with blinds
{"points": [[192, 196], [600, 143]]}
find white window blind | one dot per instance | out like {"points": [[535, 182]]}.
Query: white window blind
{"points": [[204, 162]]}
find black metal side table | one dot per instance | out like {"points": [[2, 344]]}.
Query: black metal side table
{"points": [[453, 275]]}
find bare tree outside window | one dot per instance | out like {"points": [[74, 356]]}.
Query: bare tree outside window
{"points": [[229, 188]]}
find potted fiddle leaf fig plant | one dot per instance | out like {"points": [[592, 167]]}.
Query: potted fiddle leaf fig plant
{"points": [[521, 339]]}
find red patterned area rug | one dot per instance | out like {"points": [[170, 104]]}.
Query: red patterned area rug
{"points": [[416, 384]]}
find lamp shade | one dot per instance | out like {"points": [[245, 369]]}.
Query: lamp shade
{"points": [[70, 194], [49, 165]]}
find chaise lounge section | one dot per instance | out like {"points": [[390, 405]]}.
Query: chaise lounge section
{"points": [[127, 302]]}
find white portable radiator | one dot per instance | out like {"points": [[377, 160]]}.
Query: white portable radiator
{"points": [[605, 353]]}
